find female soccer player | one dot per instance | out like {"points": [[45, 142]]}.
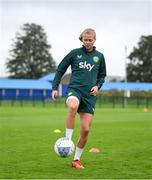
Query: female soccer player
{"points": [[88, 73]]}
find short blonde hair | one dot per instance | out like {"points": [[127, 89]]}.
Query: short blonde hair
{"points": [[87, 31]]}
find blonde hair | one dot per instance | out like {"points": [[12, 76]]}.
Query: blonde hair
{"points": [[87, 31]]}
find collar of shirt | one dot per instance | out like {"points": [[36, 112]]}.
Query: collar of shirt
{"points": [[84, 49]]}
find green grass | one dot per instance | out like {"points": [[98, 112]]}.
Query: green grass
{"points": [[124, 137]]}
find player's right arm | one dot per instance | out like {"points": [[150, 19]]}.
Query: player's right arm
{"points": [[54, 94], [64, 64]]}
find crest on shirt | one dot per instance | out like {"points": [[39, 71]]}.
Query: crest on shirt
{"points": [[79, 56], [96, 59]]}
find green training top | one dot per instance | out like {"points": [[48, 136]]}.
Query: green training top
{"points": [[88, 69]]}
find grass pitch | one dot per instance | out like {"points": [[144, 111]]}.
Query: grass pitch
{"points": [[124, 137]]}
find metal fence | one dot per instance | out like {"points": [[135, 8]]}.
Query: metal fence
{"points": [[102, 102]]}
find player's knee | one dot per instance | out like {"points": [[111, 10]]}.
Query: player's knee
{"points": [[73, 106], [85, 132]]}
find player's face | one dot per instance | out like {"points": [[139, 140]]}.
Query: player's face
{"points": [[88, 41]]}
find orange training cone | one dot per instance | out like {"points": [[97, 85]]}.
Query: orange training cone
{"points": [[94, 150], [145, 109]]}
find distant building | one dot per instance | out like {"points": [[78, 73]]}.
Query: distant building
{"points": [[26, 89], [40, 89]]}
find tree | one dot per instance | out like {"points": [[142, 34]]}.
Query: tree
{"points": [[30, 56], [139, 69]]}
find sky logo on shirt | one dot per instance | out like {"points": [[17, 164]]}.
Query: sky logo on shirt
{"points": [[84, 65]]}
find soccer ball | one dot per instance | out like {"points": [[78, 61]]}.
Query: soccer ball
{"points": [[64, 147]]}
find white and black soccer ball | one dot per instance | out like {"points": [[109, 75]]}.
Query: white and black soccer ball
{"points": [[64, 147]]}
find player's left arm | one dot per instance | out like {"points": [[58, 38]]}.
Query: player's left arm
{"points": [[94, 91], [100, 77], [101, 73]]}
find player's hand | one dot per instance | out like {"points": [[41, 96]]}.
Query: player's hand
{"points": [[94, 90], [54, 95]]}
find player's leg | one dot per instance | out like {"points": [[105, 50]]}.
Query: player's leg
{"points": [[73, 104], [86, 120]]}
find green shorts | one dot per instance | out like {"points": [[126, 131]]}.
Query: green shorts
{"points": [[86, 101]]}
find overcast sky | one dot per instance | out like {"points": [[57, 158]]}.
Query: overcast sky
{"points": [[118, 23]]}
